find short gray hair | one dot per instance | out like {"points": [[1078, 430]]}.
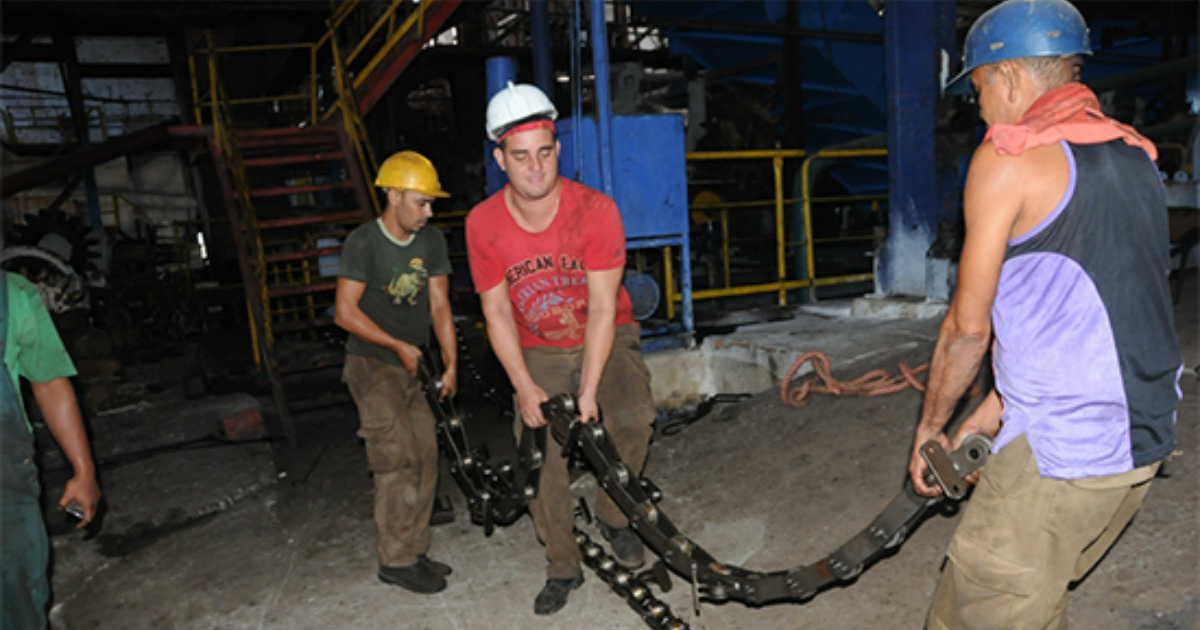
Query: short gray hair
{"points": [[1053, 71]]}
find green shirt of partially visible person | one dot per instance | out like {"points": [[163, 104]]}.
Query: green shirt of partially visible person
{"points": [[32, 346]]}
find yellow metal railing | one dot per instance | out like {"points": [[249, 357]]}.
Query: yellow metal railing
{"points": [[349, 71], [224, 133], [783, 281], [215, 107], [808, 200]]}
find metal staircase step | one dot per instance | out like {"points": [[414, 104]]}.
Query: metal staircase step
{"points": [[285, 142], [284, 160], [302, 255], [323, 131], [334, 217], [278, 191], [308, 324], [300, 289]]}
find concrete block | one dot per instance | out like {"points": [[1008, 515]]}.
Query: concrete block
{"points": [[676, 377], [897, 308], [940, 276], [683, 377], [244, 424]]}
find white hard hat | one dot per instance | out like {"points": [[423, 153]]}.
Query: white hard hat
{"points": [[515, 103]]}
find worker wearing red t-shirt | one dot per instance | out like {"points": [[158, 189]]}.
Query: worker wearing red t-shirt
{"points": [[547, 255]]}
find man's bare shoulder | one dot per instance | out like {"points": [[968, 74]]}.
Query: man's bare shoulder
{"points": [[1044, 161], [1025, 187]]}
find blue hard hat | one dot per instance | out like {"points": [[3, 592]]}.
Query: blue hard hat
{"points": [[1022, 28]]}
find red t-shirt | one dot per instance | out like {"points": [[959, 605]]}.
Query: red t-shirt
{"points": [[547, 271]]}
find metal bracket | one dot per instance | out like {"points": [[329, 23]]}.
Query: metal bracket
{"points": [[949, 470]]}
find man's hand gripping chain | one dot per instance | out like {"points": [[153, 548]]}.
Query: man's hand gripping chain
{"points": [[949, 470]]}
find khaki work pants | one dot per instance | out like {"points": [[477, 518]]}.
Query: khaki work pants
{"points": [[627, 410], [1023, 538], [401, 440]]}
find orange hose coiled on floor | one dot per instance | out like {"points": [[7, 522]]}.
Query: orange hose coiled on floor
{"points": [[873, 383]]}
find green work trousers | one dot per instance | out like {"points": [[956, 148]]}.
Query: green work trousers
{"points": [[627, 409], [399, 431], [24, 556], [1024, 538]]}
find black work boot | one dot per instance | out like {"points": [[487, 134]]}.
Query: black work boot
{"points": [[626, 545], [439, 568], [554, 594], [416, 577]]}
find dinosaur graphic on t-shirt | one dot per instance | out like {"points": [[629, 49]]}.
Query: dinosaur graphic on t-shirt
{"points": [[406, 286]]}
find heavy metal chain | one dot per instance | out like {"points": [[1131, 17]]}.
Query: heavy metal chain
{"points": [[499, 494], [718, 581]]}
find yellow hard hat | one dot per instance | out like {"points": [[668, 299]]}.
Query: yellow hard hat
{"points": [[409, 170]]}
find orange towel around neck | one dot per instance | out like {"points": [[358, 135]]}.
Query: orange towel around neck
{"points": [[1069, 112]]}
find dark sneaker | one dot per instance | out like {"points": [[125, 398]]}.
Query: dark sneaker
{"points": [[440, 568], [626, 545], [554, 594], [416, 577]]}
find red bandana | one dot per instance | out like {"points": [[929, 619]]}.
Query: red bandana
{"points": [[540, 123], [1069, 112]]}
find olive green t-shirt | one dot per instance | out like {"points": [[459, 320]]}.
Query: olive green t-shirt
{"points": [[397, 276]]}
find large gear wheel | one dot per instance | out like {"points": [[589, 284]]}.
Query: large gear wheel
{"points": [[60, 286], [64, 235]]}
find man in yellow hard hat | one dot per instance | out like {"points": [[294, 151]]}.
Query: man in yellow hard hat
{"points": [[393, 285]]}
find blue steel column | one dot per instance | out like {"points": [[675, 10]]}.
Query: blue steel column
{"points": [[499, 71], [911, 65], [539, 26], [599, 42], [607, 164]]}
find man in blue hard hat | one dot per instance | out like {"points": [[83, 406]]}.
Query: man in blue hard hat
{"points": [[1065, 260]]}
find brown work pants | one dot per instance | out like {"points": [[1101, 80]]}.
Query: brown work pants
{"points": [[399, 430], [627, 410], [1023, 538]]}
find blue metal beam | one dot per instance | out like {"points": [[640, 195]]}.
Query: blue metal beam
{"points": [[914, 30], [498, 72], [600, 67], [543, 74]]}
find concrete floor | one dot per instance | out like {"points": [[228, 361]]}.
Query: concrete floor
{"points": [[213, 538]]}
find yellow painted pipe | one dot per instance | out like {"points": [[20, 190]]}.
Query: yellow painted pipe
{"points": [[846, 279], [781, 261], [749, 154], [250, 100], [414, 17], [874, 197], [725, 253], [384, 18], [746, 289], [806, 195], [669, 282], [261, 47]]}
